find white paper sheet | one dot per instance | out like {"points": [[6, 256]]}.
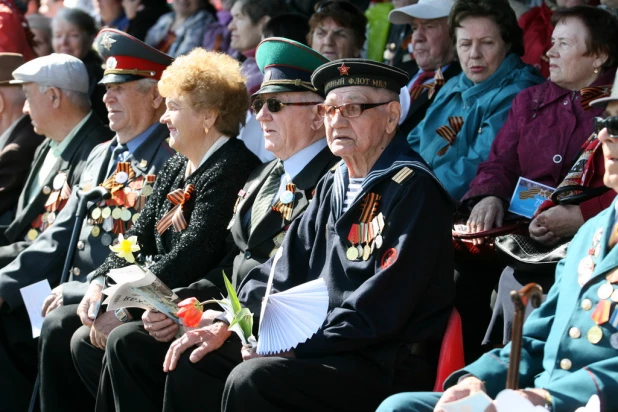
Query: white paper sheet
{"points": [[475, 403], [34, 296], [510, 401]]}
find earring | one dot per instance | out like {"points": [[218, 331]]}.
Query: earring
{"points": [[596, 70]]}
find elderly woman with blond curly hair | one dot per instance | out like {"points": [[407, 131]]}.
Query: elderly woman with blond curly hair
{"points": [[183, 224]]}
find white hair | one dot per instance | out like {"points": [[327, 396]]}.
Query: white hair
{"points": [[78, 99], [145, 85]]}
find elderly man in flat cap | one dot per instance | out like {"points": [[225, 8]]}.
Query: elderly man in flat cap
{"points": [[378, 232], [18, 141], [135, 154], [56, 89], [286, 107]]}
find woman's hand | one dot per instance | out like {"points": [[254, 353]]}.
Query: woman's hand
{"points": [[159, 326], [468, 386], [486, 214], [554, 224]]}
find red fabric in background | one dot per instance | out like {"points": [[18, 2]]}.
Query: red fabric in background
{"points": [[12, 33]]}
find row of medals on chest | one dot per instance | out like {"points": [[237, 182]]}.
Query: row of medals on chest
{"points": [[49, 216], [606, 309], [366, 236], [102, 217]]}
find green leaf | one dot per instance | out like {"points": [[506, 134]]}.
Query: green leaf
{"points": [[238, 318], [231, 295]]}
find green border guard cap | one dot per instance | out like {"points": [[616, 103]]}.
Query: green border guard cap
{"points": [[287, 65], [358, 72]]}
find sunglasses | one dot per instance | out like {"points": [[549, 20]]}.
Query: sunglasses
{"points": [[609, 123], [343, 5], [275, 105], [346, 110]]}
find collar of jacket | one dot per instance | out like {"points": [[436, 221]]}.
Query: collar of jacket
{"points": [[549, 91], [510, 68], [147, 149]]}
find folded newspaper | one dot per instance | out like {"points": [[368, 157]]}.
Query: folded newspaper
{"points": [[137, 288]]}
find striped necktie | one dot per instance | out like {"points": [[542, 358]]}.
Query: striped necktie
{"points": [[264, 198]]}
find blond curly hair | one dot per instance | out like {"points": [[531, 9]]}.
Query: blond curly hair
{"points": [[211, 81]]}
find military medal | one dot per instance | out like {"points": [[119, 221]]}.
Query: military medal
{"points": [[613, 340], [146, 190], [46, 190], [614, 296], [286, 197], [121, 177], [106, 239], [51, 218], [278, 240], [116, 213], [135, 217], [584, 270], [605, 291], [96, 213], [32, 234], [59, 181], [96, 231], [594, 335], [125, 215], [366, 252], [600, 315], [613, 320], [106, 212], [351, 253], [108, 224], [613, 276]]}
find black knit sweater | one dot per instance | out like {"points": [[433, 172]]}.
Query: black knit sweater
{"points": [[182, 257]]}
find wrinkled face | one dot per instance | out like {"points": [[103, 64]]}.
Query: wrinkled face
{"points": [[186, 125], [289, 130], [245, 34], [108, 9], [610, 150], [431, 43], [69, 39], [334, 41], [40, 108], [126, 106], [186, 7], [42, 42], [568, 67], [480, 48], [357, 136]]}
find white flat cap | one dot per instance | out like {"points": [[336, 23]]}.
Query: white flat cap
{"points": [[424, 9], [57, 70]]}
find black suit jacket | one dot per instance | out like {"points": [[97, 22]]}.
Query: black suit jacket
{"points": [[72, 163], [16, 156], [245, 251], [419, 107]]}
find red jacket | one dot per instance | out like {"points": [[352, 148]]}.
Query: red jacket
{"points": [[536, 24], [13, 31]]}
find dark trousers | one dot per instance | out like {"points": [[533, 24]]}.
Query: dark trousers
{"points": [[474, 283], [18, 360], [87, 358], [135, 360], [61, 387]]}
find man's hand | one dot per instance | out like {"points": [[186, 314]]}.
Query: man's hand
{"points": [[208, 339], [468, 386], [559, 222], [52, 301], [486, 214], [159, 326], [102, 327], [89, 305]]}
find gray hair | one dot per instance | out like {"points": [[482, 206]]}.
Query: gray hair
{"points": [[78, 99], [145, 85]]}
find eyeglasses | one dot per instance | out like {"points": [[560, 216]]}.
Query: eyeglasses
{"points": [[275, 105], [343, 5], [609, 123], [346, 110]]}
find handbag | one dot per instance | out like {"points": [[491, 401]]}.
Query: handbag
{"points": [[465, 249]]}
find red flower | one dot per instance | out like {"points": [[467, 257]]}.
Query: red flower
{"points": [[190, 312]]}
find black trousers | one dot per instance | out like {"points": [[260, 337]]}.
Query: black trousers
{"points": [[18, 360], [135, 360], [61, 387]]}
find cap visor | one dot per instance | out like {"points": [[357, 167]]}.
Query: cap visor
{"points": [[120, 78], [279, 88], [19, 81]]}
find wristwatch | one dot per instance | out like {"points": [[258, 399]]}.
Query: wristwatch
{"points": [[122, 315]]}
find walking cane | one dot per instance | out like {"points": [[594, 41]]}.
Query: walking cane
{"points": [[534, 294], [94, 195]]}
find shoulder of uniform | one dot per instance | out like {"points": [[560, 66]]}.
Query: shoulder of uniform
{"points": [[403, 175]]}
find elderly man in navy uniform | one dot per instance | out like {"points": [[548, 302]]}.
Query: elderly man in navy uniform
{"points": [[56, 88], [134, 106], [276, 194], [378, 233], [570, 343]]}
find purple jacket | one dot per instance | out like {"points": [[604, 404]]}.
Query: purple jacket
{"points": [[540, 140]]}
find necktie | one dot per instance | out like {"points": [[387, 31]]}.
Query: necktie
{"points": [[416, 89], [264, 198], [115, 158]]}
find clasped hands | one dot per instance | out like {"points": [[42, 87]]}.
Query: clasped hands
{"points": [[471, 385]]}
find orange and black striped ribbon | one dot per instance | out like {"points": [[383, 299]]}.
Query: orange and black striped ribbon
{"points": [[111, 184], [592, 93], [449, 132], [175, 216], [432, 88], [369, 207], [286, 209]]}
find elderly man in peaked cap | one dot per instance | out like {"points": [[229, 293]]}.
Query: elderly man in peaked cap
{"points": [[56, 90], [390, 288], [434, 55], [134, 106], [276, 194], [18, 141]]}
